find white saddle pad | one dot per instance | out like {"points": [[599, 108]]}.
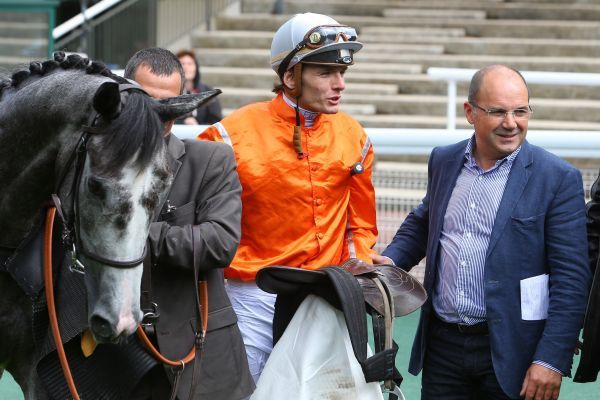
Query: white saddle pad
{"points": [[314, 359]]}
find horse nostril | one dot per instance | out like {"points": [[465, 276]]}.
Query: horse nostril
{"points": [[102, 329]]}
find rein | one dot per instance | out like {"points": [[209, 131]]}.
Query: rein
{"points": [[192, 354], [49, 286]]}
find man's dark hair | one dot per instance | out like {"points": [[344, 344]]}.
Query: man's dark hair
{"points": [[160, 61], [478, 79]]}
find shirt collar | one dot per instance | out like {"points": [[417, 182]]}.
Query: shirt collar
{"points": [[309, 116], [470, 159]]}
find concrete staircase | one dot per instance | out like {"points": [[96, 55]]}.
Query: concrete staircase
{"points": [[23, 37], [388, 86]]}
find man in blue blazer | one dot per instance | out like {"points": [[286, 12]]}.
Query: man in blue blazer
{"points": [[503, 229]]}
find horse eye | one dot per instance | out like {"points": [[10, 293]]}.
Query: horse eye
{"points": [[96, 187]]}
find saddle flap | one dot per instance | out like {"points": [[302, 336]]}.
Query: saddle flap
{"points": [[406, 291]]}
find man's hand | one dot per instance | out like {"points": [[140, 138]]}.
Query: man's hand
{"points": [[377, 259], [541, 383]]}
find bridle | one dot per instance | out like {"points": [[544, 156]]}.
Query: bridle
{"points": [[71, 236]]}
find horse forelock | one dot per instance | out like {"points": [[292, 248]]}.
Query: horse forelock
{"points": [[137, 129], [136, 132]]}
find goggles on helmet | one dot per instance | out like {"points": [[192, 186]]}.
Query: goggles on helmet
{"points": [[327, 34], [318, 37]]}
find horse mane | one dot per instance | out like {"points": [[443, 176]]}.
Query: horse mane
{"points": [[62, 61], [129, 131]]}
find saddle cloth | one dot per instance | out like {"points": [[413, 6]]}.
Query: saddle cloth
{"points": [[314, 360]]}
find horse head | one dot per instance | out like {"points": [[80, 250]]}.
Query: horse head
{"points": [[100, 147]]}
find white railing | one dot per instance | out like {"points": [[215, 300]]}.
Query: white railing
{"points": [[396, 141], [453, 75], [80, 18]]}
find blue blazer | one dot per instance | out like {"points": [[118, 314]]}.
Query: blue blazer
{"points": [[540, 228]]}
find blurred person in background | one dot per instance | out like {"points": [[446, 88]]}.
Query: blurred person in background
{"points": [[211, 112], [589, 364]]}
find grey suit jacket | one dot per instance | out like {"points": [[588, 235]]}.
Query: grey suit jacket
{"points": [[203, 226]]}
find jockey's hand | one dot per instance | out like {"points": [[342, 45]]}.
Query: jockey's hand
{"points": [[541, 383], [378, 259]]}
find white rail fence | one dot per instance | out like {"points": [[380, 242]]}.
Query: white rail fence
{"points": [[406, 141]]}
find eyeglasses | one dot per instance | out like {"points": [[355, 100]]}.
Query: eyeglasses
{"points": [[317, 37], [499, 113]]}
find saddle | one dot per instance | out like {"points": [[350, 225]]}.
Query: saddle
{"points": [[355, 288]]}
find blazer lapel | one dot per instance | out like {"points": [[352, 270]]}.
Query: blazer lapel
{"points": [[448, 174], [176, 150], [517, 180]]}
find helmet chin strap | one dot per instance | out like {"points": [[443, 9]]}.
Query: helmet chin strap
{"points": [[296, 93]]}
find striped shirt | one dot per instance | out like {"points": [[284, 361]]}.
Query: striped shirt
{"points": [[459, 295]]}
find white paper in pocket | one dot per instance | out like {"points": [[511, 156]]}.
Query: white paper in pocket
{"points": [[534, 298]]}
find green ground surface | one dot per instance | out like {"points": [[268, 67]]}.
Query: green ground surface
{"points": [[404, 332]]}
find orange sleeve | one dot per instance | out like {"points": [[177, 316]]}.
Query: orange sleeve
{"points": [[362, 221]]}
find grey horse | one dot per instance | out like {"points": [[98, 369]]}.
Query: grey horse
{"points": [[69, 126]]}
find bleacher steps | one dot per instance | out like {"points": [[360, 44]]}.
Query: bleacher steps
{"points": [[234, 98], [253, 39], [494, 9], [521, 10], [34, 48], [432, 13], [395, 34], [352, 109], [257, 58], [559, 29], [495, 45], [23, 29]]}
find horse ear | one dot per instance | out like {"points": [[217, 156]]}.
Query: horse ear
{"points": [[174, 107], [107, 100]]}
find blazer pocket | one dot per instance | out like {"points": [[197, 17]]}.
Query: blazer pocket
{"points": [[179, 212], [527, 222], [526, 236]]}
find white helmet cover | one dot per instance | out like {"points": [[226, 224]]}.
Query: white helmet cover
{"points": [[292, 32]]}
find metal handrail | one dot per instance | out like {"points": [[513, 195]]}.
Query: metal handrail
{"points": [[78, 20], [454, 75]]}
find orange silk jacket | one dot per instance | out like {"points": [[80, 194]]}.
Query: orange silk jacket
{"points": [[308, 212]]}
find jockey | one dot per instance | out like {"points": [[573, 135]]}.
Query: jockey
{"points": [[305, 169]]}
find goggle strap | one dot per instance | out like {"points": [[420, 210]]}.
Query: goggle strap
{"points": [[286, 61]]}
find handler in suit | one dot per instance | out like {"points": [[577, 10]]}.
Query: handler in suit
{"points": [[503, 228], [198, 227]]}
